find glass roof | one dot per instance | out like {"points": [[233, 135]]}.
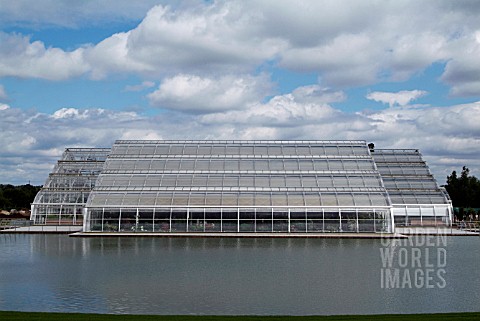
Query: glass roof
{"points": [[73, 177], [407, 177], [239, 173]]}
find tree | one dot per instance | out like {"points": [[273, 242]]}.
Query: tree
{"points": [[464, 190], [17, 197]]}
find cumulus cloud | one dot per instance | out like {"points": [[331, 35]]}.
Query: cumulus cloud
{"points": [[447, 136], [205, 95], [21, 58], [463, 70], [346, 44], [401, 98]]}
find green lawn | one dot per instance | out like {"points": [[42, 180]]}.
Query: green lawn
{"points": [[4, 316]]}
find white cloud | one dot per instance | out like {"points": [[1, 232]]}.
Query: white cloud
{"points": [[401, 98], [345, 43], [205, 95], [4, 106], [144, 85], [447, 136], [72, 14], [21, 58], [463, 70]]}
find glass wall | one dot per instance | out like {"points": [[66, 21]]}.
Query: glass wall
{"points": [[245, 220], [63, 196]]}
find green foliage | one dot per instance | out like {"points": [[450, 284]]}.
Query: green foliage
{"points": [[17, 197], [464, 190]]}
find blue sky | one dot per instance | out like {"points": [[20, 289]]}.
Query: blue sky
{"points": [[402, 74]]}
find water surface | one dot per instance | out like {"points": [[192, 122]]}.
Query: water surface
{"points": [[235, 276]]}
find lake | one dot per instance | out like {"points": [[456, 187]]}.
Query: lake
{"points": [[238, 276]]}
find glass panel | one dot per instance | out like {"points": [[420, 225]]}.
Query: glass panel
{"points": [[247, 226], [246, 181], [180, 199], [202, 165], [217, 165], [190, 150], [328, 199], [232, 150], [246, 150], [162, 150], [158, 164], [231, 165], [295, 199], [245, 199], [289, 150], [187, 164], [204, 150], [276, 164], [218, 150], [309, 181], [247, 165], [184, 180], [303, 150], [262, 181], [247, 213], [320, 165], [213, 199], [317, 150], [279, 200], [277, 181], [230, 199], [262, 199], [312, 199], [335, 165], [261, 150], [275, 150], [361, 199], [229, 225], [172, 165], [197, 199], [298, 226], [291, 165], [331, 150], [164, 199], [199, 180], [230, 181], [306, 165], [345, 199], [293, 181], [176, 149], [261, 165]]}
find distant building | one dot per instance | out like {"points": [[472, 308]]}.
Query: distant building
{"points": [[241, 186]]}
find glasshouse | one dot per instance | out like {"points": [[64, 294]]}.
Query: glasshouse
{"points": [[168, 186], [62, 198], [415, 195]]}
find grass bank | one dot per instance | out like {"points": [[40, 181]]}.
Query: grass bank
{"points": [[37, 316]]}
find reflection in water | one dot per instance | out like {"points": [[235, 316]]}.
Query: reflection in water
{"points": [[221, 276]]}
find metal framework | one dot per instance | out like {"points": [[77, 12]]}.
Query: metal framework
{"points": [[62, 198], [239, 186], [416, 197]]}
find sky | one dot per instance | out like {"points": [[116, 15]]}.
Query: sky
{"points": [[400, 74]]}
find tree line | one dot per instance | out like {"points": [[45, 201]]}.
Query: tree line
{"points": [[17, 197], [464, 190]]}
